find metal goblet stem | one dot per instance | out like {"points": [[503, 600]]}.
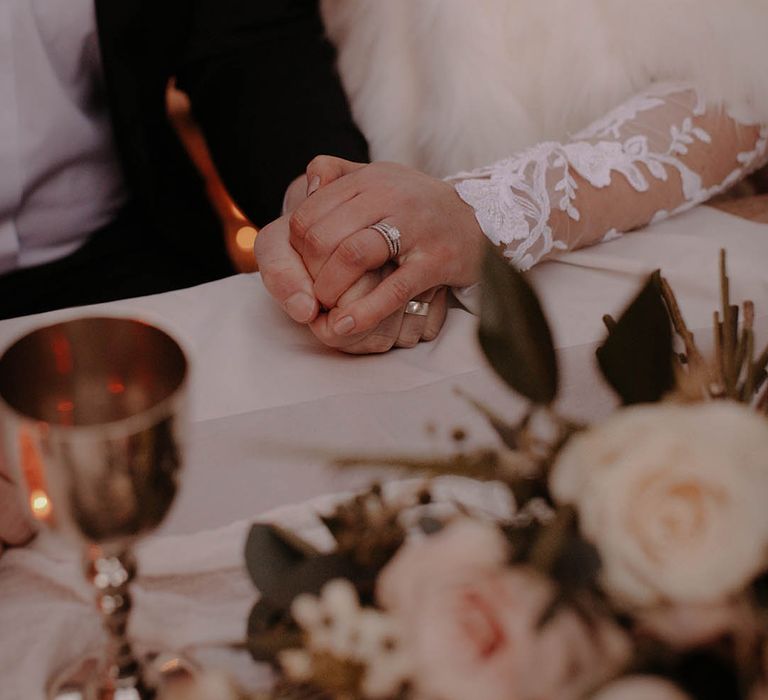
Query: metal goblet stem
{"points": [[92, 416]]}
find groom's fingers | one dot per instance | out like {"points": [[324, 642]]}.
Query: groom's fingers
{"points": [[325, 169], [438, 312], [323, 330], [283, 272], [414, 325]]}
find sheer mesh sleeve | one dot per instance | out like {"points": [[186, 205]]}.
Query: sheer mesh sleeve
{"points": [[669, 150]]}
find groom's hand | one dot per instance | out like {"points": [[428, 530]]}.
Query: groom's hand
{"points": [[283, 272]]}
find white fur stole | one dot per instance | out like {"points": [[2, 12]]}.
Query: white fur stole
{"points": [[449, 85]]}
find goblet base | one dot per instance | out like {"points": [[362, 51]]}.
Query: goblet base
{"points": [[89, 679]]}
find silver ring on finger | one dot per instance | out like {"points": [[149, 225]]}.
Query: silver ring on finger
{"points": [[417, 308], [391, 235]]}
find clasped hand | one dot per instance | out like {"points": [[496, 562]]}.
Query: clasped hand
{"points": [[328, 269]]}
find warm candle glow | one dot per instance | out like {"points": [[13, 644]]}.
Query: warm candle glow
{"points": [[245, 237], [40, 504]]}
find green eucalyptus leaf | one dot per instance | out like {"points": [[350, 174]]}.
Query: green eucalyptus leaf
{"points": [[270, 558], [514, 333], [270, 631], [636, 358]]}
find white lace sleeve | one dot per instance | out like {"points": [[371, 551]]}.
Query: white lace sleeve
{"points": [[672, 150]]}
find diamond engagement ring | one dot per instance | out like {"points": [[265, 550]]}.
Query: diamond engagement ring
{"points": [[391, 234], [417, 308]]}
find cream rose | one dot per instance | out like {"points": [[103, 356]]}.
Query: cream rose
{"points": [[687, 626], [641, 688], [473, 628], [674, 498]]}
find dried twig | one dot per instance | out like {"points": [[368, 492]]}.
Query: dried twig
{"points": [[692, 353], [719, 359]]}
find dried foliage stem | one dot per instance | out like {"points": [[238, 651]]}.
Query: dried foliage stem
{"points": [[692, 353]]}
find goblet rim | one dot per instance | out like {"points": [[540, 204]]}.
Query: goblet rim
{"points": [[126, 425]]}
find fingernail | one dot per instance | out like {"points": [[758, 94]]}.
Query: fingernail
{"points": [[344, 326], [314, 185], [300, 307]]}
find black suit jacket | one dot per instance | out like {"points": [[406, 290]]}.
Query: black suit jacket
{"points": [[263, 87]]}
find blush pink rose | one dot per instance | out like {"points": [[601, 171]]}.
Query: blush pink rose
{"points": [[473, 627], [464, 547]]}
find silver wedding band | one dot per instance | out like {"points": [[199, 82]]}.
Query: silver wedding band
{"points": [[391, 234], [417, 308]]}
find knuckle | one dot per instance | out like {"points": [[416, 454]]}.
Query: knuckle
{"points": [[400, 291], [326, 296], [351, 254], [313, 241], [379, 342], [434, 326], [407, 341], [279, 282], [318, 163], [430, 333], [325, 337], [298, 224]]}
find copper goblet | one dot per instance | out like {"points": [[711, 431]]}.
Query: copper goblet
{"points": [[92, 414]]}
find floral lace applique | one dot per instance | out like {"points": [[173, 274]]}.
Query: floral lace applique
{"points": [[645, 137]]}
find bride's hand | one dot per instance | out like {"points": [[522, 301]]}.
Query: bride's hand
{"points": [[441, 242]]}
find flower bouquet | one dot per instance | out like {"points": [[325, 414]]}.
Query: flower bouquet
{"points": [[633, 567]]}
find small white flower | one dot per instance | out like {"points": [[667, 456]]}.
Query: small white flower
{"points": [[336, 624], [297, 664], [207, 685], [307, 610], [340, 599], [381, 649]]}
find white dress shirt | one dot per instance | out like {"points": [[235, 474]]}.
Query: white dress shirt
{"points": [[60, 178]]}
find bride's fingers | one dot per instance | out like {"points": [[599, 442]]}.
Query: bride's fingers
{"points": [[404, 284], [355, 255], [315, 208], [321, 239], [323, 170]]}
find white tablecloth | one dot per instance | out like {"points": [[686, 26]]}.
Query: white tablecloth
{"points": [[263, 390]]}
